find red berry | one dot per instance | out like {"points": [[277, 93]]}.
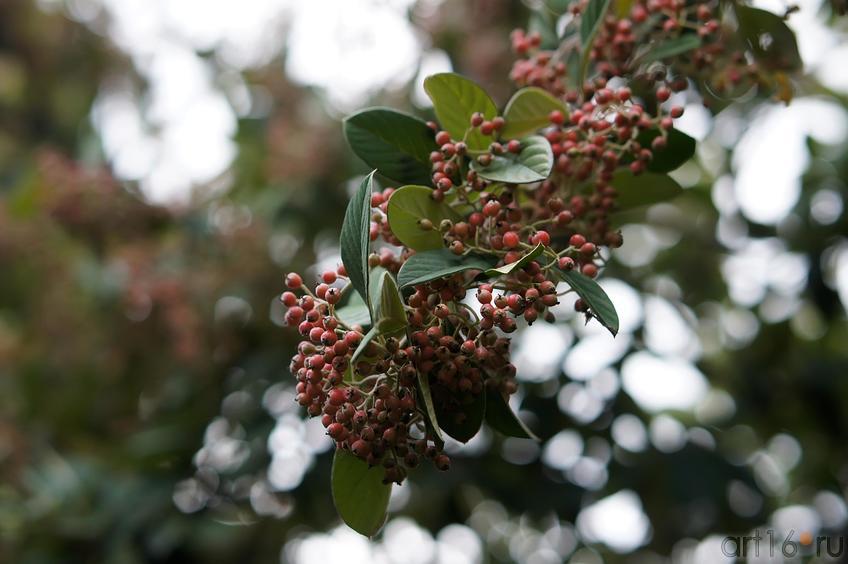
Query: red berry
{"points": [[442, 137], [589, 270], [577, 240], [542, 238], [337, 396], [510, 239], [588, 248], [294, 281], [492, 208]]}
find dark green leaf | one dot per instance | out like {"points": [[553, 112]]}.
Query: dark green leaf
{"points": [[532, 164], [430, 265], [354, 240], [408, 206], [465, 427], [679, 149], [355, 312], [427, 397], [772, 42], [643, 189], [527, 112], [671, 48], [600, 305], [396, 144], [360, 496], [520, 263], [590, 22], [500, 417], [369, 336], [455, 99]]}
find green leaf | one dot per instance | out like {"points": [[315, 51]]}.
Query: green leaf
{"points": [[643, 189], [532, 164], [431, 265], [463, 430], [398, 145], [455, 99], [355, 312], [427, 397], [527, 112], [359, 494], [354, 241], [590, 22], [409, 205], [386, 303], [544, 23], [558, 7], [520, 263], [679, 149], [363, 344], [600, 305], [500, 417], [770, 39], [574, 66], [671, 48]]}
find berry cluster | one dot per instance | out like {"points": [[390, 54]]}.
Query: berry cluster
{"points": [[523, 230], [374, 415]]}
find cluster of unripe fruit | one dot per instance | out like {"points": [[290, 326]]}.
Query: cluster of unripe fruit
{"points": [[616, 51], [371, 409]]}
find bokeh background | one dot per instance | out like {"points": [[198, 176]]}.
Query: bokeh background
{"points": [[163, 163]]}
